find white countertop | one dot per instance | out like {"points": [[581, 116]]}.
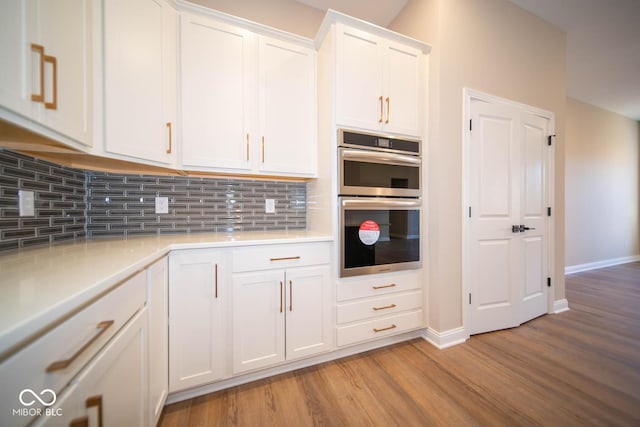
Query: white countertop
{"points": [[38, 287]]}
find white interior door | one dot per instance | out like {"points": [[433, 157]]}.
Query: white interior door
{"points": [[508, 194]]}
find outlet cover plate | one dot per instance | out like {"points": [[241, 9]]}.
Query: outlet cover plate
{"points": [[162, 205]]}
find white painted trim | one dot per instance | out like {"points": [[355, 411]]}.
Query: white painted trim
{"points": [[442, 340], [560, 306], [571, 269]]}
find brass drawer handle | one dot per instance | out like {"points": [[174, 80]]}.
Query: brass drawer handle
{"points": [[381, 109], [287, 258], [170, 142], [290, 295], [53, 105], [281, 296], [385, 307], [39, 49], [96, 401], [63, 364], [388, 110], [392, 285], [215, 272], [385, 329]]}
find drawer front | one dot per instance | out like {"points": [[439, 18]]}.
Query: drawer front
{"points": [[376, 286], [379, 328], [54, 359], [378, 306], [280, 256]]}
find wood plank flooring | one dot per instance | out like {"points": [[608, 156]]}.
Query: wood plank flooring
{"points": [[578, 368]]}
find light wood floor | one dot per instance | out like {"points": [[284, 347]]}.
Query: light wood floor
{"points": [[578, 368]]}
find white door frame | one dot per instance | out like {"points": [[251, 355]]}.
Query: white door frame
{"points": [[469, 95]]}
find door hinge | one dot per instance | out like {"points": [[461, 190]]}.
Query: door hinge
{"points": [[549, 211], [470, 124], [549, 139], [469, 297], [548, 282], [469, 211]]}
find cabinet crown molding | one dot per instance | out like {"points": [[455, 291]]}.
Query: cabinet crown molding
{"points": [[333, 16]]}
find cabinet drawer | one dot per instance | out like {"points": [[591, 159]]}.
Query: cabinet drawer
{"points": [[379, 306], [381, 285], [378, 328], [280, 256], [54, 359]]}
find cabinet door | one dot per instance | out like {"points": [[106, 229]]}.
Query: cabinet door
{"points": [[308, 311], [287, 108], [158, 356], [65, 34], [135, 74], [113, 386], [196, 318], [59, 73], [216, 94], [258, 320], [16, 16], [403, 90], [359, 97]]}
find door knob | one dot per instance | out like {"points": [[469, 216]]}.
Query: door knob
{"points": [[523, 228], [515, 228]]}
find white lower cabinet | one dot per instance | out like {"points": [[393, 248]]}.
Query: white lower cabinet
{"points": [[372, 307], [158, 354], [112, 389], [281, 311], [197, 308]]}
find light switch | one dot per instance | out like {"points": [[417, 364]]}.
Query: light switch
{"points": [[269, 206], [26, 203], [162, 205]]}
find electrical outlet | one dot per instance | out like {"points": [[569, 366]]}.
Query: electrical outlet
{"points": [[269, 206], [162, 205], [26, 203]]}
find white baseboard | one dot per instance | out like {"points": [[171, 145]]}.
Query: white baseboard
{"points": [[600, 264], [560, 306], [445, 339]]}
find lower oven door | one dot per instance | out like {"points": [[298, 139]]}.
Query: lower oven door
{"points": [[379, 235]]}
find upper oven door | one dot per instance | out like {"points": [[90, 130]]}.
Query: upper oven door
{"points": [[378, 173]]}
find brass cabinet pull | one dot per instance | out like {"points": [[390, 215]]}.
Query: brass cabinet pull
{"points": [[392, 285], [290, 296], [262, 153], [215, 272], [247, 147], [96, 401], [287, 258], [388, 109], [384, 329], [384, 307], [79, 422], [62, 364], [380, 119], [281, 296], [39, 49], [170, 142], [53, 105]]}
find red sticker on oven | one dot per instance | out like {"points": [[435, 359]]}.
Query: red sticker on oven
{"points": [[369, 232]]}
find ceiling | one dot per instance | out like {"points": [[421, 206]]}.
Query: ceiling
{"points": [[603, 43]]}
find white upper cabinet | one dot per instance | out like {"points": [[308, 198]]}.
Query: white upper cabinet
{"points": [[378, 83], [288, 140], [215, 94], [45, 80], [248, 101], [140, 79]]}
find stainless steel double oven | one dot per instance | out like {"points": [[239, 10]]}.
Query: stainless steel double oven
{"points": [[380, 201]]}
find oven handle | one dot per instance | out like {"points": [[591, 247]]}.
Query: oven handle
{"points": [[380, 157], [376, 203]]}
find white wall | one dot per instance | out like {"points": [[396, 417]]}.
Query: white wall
{"points": [[601, 183], [494, 47]]}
